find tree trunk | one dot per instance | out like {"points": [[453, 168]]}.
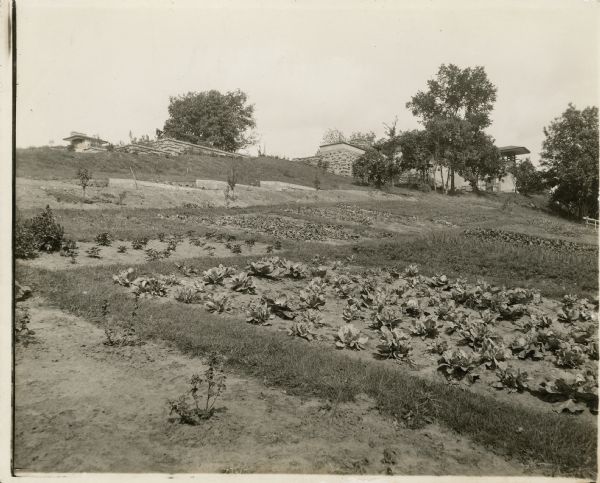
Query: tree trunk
{"points": [[452, 187]]}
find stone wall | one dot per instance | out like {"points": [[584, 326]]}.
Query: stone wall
{"points": [[339, 157]]}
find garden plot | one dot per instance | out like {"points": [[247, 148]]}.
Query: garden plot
{"points": [[82, 406], [289, 228], [379, 219], [143, 250], [513, 343]]}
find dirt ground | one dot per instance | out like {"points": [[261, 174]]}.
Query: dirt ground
{"points": [[32, 193], [84, 407]]}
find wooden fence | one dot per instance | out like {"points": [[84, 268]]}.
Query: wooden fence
{"points": [[591, 221]]}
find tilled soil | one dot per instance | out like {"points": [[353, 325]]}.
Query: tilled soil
{"points": [[82, 406]]}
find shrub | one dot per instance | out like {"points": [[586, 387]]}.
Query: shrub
{"points": [[25, 245], [104, 239], [139, 243], [194, 414], [47, 233]]}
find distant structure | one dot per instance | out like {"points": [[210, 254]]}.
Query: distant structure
{"points": [[505, 184], [337, 158], [83, 143], [166, 146]]}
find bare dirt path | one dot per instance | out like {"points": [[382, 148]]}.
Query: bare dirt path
{"points": [[85, 407]]}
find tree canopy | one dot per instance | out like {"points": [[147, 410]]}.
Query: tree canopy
{"points": [[570, 158], [221, 120], [528, 180], [454, 110]]}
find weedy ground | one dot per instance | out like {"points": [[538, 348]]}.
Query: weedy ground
{"points": [[427, 230]]}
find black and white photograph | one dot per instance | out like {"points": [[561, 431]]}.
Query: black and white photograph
{"points": [[279, 240]]}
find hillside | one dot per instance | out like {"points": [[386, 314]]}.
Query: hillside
{"points": [[48, 163]]}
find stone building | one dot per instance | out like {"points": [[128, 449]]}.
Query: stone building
{"points": [[336, 157]]}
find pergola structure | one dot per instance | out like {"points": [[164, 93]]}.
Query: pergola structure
{"points": [[510, 153]]}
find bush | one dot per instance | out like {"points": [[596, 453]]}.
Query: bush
{"points": [[47, 234], [25, 246]]}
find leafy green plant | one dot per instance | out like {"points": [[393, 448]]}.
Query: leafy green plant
{"points": [[350, 337], [125, 277], [47, 234], [93, 252], [425, 327], [153, 254], [343, 286], [492, 353], [189, 295], [394, 344], [104, 239], [313, 296], [217, 302], [280, 305], [296, 270], [263, 268], [577, 391], [351, 312], [139, 243], [25, 246], [242, 282], [412, 308], [438, 280], [475, 332], [571, 356], [411, 271], [389, 317], [121, 336], [311, 318], [149, 287], [514, 380], [217, 275], [438, 347], [194, 412], [527, 347], [23, 334], [302, 329], [186, 270], [161, 236], [259, 314], [456, 364], [121, 249]]}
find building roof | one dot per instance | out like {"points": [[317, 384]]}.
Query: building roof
{"points": [[513, 150], [343, 142], [78, 135]]}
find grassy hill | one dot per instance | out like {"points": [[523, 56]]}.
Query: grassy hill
{"points": [[48, 163]]}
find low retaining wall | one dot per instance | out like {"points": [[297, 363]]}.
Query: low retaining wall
{"points": [[211, 184], [281, 186], [130, 183]]}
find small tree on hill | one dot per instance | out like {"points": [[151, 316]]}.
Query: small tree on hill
{"points": [[527, 179], [84, 177], [374, 168]]}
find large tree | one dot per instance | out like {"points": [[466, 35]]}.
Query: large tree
{"points": [[570, 157], [461, 99], [221, 120], [480, 159]]}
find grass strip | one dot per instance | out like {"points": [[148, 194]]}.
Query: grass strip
{"points": [[568, 444]]}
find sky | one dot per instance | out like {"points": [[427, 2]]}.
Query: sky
{"points": [[109, 67]]}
